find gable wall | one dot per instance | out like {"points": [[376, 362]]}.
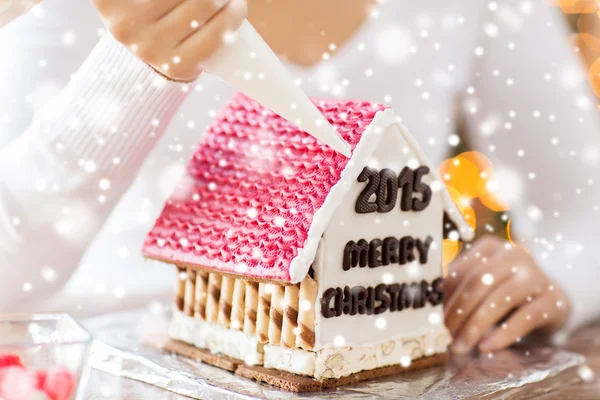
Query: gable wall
{"points": [[394, 153]]}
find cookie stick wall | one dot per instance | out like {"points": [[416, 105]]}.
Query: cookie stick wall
{"points": [[201, 295], [290, 316], [276, 315], [306, 315], [190, 284], [250, 307], [180, 288], [225, 301], [214, 294], [237, 304], [264, 309]]}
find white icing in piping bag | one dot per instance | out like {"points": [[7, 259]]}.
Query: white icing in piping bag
{"points": [[249, 65]]}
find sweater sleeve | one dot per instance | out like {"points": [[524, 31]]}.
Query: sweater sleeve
{"points": [[61, 178], [533, 114]]}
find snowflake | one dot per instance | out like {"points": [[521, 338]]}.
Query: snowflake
{"points": [[339, 341], [453, 140], [104, 184], [487, 279], [380, 323]]}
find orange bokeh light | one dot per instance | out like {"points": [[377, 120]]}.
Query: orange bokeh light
{"points": [[466, 173], [594, 77], [578, 6], [493, 201], [469, 176], [464, 206], [450, 250]]}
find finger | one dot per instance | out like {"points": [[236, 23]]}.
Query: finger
{"points": [[476, 286], [497, 305], [149, 10], [482, 249], [526, 319], [185, 19], [209, 38]]}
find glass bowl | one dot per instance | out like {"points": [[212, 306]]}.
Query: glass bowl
{"points": [[42, 354]]}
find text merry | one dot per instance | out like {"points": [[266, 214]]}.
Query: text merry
{"points": [[388, 251]]}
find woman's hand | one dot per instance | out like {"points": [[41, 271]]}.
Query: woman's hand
{"points": [[496, 294], [12, 9], [173, 36]]}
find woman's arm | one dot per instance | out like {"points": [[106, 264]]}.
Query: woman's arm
{"points": [[61, 178], [536, 118]]}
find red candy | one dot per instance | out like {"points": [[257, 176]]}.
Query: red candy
{"points": [[10, 360], [40, 377], [16, 383], [59, 383]]}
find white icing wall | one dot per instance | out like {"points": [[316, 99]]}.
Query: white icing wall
{"points": [[392, 152]]}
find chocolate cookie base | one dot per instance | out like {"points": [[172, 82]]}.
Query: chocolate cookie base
{"points": [[293, 382]]}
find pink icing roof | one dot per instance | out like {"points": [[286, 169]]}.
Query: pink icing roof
{"points": [[251, 189]]}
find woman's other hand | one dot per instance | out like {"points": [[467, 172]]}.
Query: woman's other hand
{"points": [[497, 294], [173, 36]]}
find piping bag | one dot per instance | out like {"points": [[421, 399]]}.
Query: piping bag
{"points": [[249, 65]]}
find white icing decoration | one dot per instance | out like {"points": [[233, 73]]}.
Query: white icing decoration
{"points": [[336, 363], [296, 361], [216, 338]]}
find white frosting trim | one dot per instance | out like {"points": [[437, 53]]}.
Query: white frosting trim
{"points": [[216, 338], [370, 138], [296, 361], [323, 364], [339, 362]]}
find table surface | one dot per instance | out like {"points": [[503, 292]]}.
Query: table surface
{"points": [[103, 386]]}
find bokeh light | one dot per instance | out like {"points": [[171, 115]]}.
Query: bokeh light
{"points": [[450, 249], [578, 6]]}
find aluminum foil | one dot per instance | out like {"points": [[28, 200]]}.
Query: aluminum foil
{"points": [[126, 346]]}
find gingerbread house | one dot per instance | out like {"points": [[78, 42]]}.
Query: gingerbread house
{"points": [[293, 259]]}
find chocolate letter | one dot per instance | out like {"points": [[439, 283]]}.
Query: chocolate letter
{"points": [[387, 193], [420, 187], [407, 245], [374, 253], [404, 297], [389, 251], [394, 291], [326, 310], [355, 254], [382, 296], [370, 300], [419, 294], [405, 182], [359, 300], [423, 249], [363, 206], [436, 292], [343, 302]]}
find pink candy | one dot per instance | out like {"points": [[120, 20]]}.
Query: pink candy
{"points": [[59, 384], [16, 383]]}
